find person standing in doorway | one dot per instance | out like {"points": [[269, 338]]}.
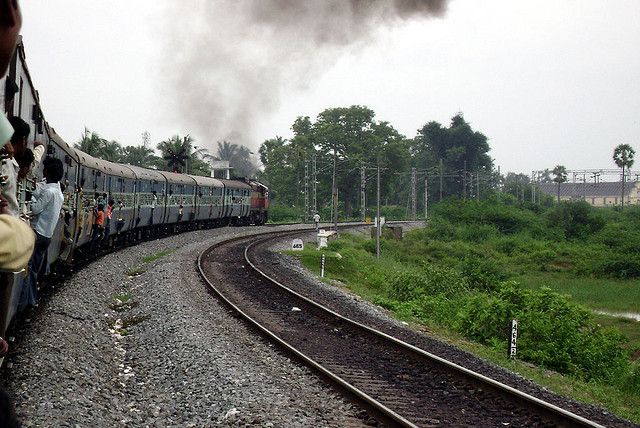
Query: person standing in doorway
{"points": [[46, 202]]}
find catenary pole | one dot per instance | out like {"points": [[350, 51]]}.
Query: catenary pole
{"points": [[378, 225]]}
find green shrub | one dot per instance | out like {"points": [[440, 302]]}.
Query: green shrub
{"points": [[483, 273], [541, 258], [484, 318], [478, 233], [577, 220], [282, 213], [553, 332], [411, 284], [619, 265]]}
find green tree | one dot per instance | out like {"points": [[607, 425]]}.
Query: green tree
{"points": [[111, 151], [91, 143], [176, 152], [239, 158], [560, 176], [139, 156], [353, 137], [518, 185], [623, 157], [460, 149]]}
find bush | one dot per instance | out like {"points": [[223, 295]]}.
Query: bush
{"points": [[282, 213], [577, 220], [504, 218], [412, 284], [553, 332], [484, 318], [619, 265], [483, 273]]}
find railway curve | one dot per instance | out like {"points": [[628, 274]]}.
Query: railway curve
{"points": [[399, 382]]}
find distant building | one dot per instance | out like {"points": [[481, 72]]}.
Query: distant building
{"points": [[597, 194]]}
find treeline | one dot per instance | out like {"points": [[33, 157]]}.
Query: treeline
{"points": [[177, 154], [447, 160], [453, 159]]}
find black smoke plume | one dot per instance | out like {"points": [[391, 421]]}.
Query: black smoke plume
{"points": [[229, 62]]}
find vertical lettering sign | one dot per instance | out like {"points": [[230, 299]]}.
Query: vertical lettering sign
{"points": [[513, 338]]}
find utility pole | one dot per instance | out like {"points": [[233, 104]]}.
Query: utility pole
{"points": [[334, 191], [363, 194], [441, 172], [414, 199], [426, 197], [533, 187], [464, 181], [478, 185], [315, 205], [306, 189], [378, 225]]}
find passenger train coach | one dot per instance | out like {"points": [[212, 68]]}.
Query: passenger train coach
{"points": [[145, 202]]}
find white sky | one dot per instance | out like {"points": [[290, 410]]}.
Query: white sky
{"points": [[548, 82]]}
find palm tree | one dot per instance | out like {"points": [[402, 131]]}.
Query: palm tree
{"points": [[111, 151], [90, 143], [226, 151], [623, 157], [176, 151], [139, 156], [560, 173], [238, 156]]}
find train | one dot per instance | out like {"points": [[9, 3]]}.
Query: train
{"points": [[143, 203]]}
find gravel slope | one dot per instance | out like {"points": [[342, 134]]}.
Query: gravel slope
{"points": [[170, 355]]}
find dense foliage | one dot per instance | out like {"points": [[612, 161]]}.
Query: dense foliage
{"points": [[350, 140]]}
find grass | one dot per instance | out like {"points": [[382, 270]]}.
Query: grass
{"points": [[153, 257], [606, 294], [139, 270]]}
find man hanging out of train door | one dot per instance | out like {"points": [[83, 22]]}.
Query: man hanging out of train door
{"points": [[46, 202]]}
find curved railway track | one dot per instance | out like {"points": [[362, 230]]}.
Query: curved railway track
{"points": [[399, 383]]}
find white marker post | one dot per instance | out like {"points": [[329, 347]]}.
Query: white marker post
{"points": [[322, 267], [513, 339], [297, 245]]}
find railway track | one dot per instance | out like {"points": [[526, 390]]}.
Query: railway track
{"points": [[399, 383]]}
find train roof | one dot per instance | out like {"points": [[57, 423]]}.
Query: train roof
{"points": [[175, 178], [207, 181], [91, 162], [146, 174], [235, 184], [66, 147], [118, 169]]}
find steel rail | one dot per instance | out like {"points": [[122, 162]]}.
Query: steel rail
{"points": [[368, 400]]}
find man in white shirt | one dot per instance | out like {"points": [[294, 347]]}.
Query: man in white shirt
{"points": [[10, 167], [316, 220], [46, 202]]}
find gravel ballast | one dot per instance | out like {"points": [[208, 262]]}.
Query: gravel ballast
{"points": [[166, 353]]}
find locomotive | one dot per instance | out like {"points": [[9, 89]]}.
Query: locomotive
{"points": [[143, 203]]}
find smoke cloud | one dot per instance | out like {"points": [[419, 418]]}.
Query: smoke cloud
{"points": [[229, 62]]}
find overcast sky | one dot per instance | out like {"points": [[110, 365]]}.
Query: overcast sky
{"points": [[548, 82]]}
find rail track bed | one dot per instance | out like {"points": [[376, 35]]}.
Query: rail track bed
{"points": [[401, 384]]}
